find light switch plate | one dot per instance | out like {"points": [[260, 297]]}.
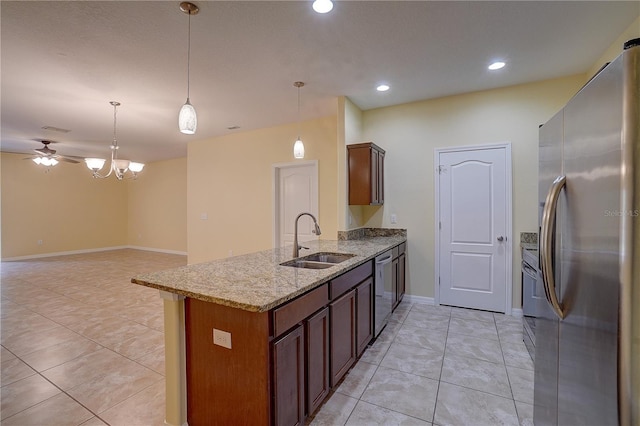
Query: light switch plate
{"points": [[222, 338]]}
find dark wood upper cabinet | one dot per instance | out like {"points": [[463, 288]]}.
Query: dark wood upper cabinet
{"points": [[366, 174]]}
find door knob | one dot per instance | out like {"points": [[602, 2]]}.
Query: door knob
{"points": [[500, 238]]}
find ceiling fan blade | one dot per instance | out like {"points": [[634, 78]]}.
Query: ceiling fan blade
{"points": [[67, 159], [45, 150]]}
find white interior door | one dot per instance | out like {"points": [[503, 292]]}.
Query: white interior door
{"points": [[474, 234], [296, 192]]}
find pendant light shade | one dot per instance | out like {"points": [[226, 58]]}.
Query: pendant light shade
{"points": [[187, 119], [322, 6], [298, 146], [298, 149]]}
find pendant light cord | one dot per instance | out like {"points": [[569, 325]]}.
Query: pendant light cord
{"points": [[189, 58], [298, 112]]}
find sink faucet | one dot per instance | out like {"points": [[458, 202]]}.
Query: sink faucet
{"points": [[296, 247]]}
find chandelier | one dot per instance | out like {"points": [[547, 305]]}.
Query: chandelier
{"points": [[117, 167]]}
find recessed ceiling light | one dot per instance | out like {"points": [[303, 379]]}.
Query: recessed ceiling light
{"points": [[496, 65], [322, 6], [382, 88]]}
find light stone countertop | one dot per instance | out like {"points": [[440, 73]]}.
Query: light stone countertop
{"points": [[256, 282]]}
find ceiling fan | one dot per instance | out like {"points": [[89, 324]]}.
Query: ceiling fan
{"points": [[47, 156]]}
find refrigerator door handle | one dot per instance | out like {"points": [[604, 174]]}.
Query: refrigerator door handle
{"points": [[546, 241]]}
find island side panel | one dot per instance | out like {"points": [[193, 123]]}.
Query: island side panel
{"points": [[227, 386]]}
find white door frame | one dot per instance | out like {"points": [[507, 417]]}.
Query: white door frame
{"points": [[275, 190], [509, 214]]}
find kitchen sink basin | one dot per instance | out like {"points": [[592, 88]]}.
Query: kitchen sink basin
{"points": [[297, 263], [328, 257], [318, 260]]}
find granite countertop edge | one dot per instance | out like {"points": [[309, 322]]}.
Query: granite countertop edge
{"points": [[256, 282]]}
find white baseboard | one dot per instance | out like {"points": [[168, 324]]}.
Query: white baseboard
{"points": [[157, 250], [419, 299], [85, 251], [516, 312]]}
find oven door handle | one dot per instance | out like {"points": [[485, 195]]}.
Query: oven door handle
{"points": [[546, 241]]}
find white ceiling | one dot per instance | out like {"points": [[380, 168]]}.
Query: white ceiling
{"points": [[62, 62]]}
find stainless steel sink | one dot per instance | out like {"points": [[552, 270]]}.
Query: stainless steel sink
{"points": [[297, 263], [318, 260], [328, 257]]}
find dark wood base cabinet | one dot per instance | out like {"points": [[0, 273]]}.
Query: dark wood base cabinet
{"points": [[398, 274], [283, 363], [343, 335], [364, 315], [288, 378], [317, 357]]}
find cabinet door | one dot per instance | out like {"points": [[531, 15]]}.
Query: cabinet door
{"points": [[402, 269], [380, 180], [364, 315], [288, 378], [343, 335], [317, 356], [375, 187], [394, 282]]}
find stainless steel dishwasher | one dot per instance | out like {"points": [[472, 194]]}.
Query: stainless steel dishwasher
{"points": [[384, 292]]}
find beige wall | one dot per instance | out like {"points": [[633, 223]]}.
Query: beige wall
{"points": [[65, 208], [230, 179], [615, 49], [71, 211], [410, 133], [349, 132], [157, 202]]}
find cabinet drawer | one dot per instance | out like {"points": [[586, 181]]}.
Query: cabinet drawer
{"points": [[398, 250], [288, 315], [346, 281]]}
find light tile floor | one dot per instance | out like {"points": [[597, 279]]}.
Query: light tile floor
{"points": [[81, 345], [438, 365]]}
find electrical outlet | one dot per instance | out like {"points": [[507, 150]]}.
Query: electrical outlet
{"points": [[222, 338], [394, 218], [39, 242], [204, 216]]}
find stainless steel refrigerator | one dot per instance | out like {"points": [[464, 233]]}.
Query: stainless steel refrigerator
{"points": [[587, 360]]}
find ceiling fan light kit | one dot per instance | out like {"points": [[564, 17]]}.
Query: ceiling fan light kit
{"points": [[187, 119], [47, 157], [118, 167]]}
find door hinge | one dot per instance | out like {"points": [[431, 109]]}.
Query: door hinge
{"points": [[438, 280], [441, 169], [439, 225]]}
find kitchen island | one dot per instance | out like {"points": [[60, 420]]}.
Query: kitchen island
{"points": [[249, 341]]}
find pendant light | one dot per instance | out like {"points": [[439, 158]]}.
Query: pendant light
{"points": [[187, 120], [322, 6], [117, 167], [298, 147]]}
